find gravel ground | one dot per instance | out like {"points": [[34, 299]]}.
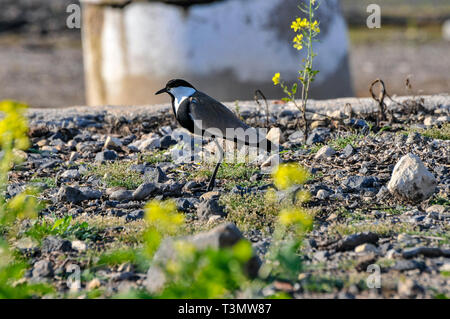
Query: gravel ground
{"points": [[102, 165]]}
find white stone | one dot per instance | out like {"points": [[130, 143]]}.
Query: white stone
{"points": [[325, 152], [366, 248], [338, 114], [274, 135], [79, 245], [71, 174], [429, 121], [112, 142], [411, 180], [74, 156], [322, 194], [150, 144]]}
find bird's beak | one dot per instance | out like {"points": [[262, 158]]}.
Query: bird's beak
{"points": [[161, 91]]}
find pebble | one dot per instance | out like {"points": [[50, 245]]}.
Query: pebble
{"points": [[209, 208], [42, 268], [325, 152], [106, 156], [144, 191], [121, 195]]}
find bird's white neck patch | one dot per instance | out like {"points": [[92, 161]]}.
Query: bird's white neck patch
{"points": [[181, 93]]}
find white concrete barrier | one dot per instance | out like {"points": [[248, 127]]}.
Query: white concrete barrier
{"points": [[227, 48]]}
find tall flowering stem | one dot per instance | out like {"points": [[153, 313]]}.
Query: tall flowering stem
{"points": [[306, 30]]}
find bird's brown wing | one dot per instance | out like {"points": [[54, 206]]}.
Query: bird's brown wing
{"points": [[216, 118], [213, 114]]}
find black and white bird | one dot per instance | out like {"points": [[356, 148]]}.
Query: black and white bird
{"points": [[201, 114]]}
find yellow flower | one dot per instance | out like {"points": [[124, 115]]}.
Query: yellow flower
{"points": [[163, 216], [295, 216], [298, 41], [276, 79], [13, 126], [315, 26], [289, 174], [299, 24]]}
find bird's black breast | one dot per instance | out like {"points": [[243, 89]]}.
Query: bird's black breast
{"points": [[183, 115]]}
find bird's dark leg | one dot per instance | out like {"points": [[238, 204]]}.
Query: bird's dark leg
{"points": [[216, 169]]}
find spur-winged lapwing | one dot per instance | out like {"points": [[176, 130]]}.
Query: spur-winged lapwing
{"points": [[201, 114]]}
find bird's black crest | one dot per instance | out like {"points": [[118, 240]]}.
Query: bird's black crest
{"points": [[178, 82]]}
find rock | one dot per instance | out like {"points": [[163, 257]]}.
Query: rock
{"points": [[348, 151], [286, 113], [184, 204], [209, 208], [167, 141], [121, 195], [106, 156], [113, 143], [42, 268], [155, 175], [316, 124], [222, 236], [359, 182], [411, 180], [356, 123], [406, 265], [297, 137], [147, 144], [408, 288], [125, 276], [135, 215], [322, 194], [27, 246], [144, 190], [273, 161], [275, 135], [74, 156], [15, 189], [90, 193], [49, 149], [429, 121], [193, 186], [352, 241], [71, 174], [314, 138], [321, 255], [210, 195], [367, 248], [439, 209], [170, 188], [93, 284], [325, 152], [70, 194], [426, 252], [413, 138], [49, 164], [55, 244], [445, 267], [364, 260], [79, 245]]}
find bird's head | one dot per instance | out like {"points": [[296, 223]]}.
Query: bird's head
{"points": [[177, 86]]}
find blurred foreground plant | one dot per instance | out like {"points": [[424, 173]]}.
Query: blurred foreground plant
{"points": [[283, 260], [193, 273], [13, 140], [306, 30]]}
